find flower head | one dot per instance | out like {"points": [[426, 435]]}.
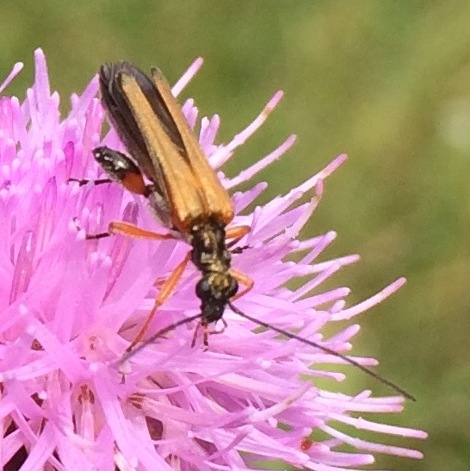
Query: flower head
{"points": [[71, 306]]}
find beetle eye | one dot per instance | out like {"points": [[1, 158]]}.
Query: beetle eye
{"points": [[233, 287]]}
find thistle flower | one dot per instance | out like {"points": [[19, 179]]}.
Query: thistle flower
{"points": [[70, 307]]}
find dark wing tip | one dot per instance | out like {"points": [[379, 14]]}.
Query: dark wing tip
{"points": [[156, 72], [110, 70]]}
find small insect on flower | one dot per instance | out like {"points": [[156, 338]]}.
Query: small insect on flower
{"points": [[185, 194]]}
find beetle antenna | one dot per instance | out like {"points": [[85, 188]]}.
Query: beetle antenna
{"points": [[154, 337], [328, 350], [290, 335]]}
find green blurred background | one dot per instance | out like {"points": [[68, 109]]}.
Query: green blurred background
{"points": [[388, 82]]}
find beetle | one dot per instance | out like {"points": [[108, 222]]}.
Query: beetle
{"points": [[185, 194]]}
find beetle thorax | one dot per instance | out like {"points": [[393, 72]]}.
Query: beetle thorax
{"points": [[209, 253], [211, 256]]}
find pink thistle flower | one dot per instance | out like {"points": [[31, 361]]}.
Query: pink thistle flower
{"points": [[70, 307]]}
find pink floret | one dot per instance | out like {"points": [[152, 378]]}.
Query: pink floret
{"points": [[69, 308]]}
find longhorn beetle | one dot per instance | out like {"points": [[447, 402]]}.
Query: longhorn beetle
{"points": [[184, 192]]}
